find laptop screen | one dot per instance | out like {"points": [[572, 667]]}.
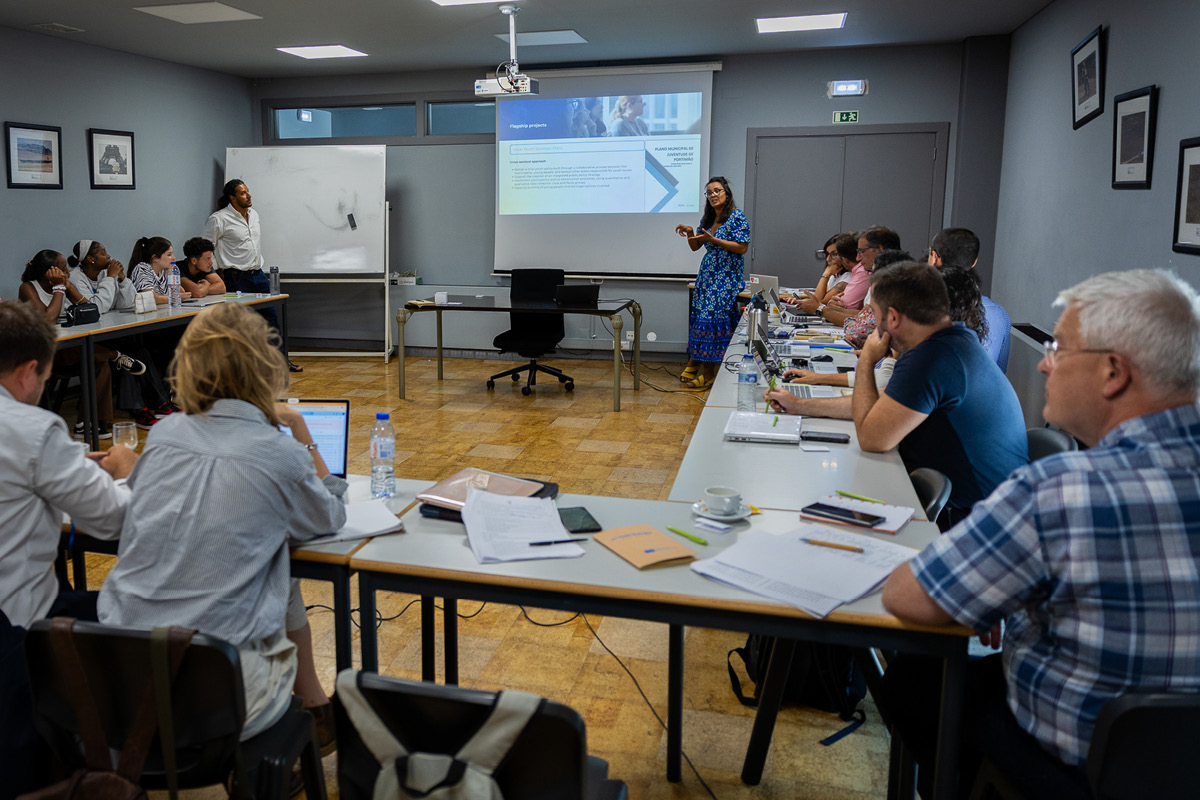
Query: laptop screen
{"points": [[329, 423]]}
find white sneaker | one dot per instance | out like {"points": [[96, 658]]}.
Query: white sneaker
{"points": [[130, 365]]}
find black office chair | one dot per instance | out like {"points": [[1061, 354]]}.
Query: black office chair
{"points": [[1048, 441], [933, 490], [533, 335], [207, 707], [548, 761]]}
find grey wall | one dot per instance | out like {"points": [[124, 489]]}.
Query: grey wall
{"points": [[182, 119], [443, 196], [1059, 220]]}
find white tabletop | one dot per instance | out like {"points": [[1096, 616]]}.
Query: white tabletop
{"points": [[116, 320], [359, 491]]}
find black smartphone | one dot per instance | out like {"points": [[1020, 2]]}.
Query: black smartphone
{"points": [[825, 436], [578, 520], [860, 518]]}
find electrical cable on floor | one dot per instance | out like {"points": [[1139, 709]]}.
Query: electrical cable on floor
{"points": [[525, 614], [380, 619], [629, 368]]}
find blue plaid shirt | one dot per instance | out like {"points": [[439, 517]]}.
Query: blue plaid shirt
{"points": [[1092, 559]]}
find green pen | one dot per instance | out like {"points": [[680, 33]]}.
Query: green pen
{"points": [[689, 536], [860, 497], [775, 422], [770, 388]]}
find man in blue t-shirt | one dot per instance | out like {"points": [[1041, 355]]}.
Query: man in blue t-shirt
{"points": [[959, 247], [948, 406]]}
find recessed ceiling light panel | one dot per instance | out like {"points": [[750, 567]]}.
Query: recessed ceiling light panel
{"points": [[535, 38], [322, 51], [194, 13], [470, 2], [809, 22]]}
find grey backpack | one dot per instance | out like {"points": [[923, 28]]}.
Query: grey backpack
{"points": [[467, 775]]}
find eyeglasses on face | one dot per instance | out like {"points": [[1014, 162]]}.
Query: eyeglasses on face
{"points": [[824, 256], [867, 249], [1052, 353], [714, 192]]}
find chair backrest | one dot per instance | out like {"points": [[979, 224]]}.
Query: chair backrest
{"points": [[1048, 441], [933, 490], [1143, 746], [539, 285], [207, 698], [547, 761]]}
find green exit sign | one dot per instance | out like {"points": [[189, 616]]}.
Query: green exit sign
{"points": [[845, 117]]}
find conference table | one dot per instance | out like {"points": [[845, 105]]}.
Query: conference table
{"points": [[114, 324], [470, 302]]}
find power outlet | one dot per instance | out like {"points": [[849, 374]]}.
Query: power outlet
{"points": [[626, 345], [629, 336]]}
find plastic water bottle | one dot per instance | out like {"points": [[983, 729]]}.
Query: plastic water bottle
{"points": [[174, 287], [383, 456], [748, 394], [274, 280]]}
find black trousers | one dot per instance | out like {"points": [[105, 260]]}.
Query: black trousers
{"points": [[237, 280], [25, 760], [912, 687]]}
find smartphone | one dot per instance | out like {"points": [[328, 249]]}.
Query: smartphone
{"points": [[578, 520], [860, 518], [825, 436]]}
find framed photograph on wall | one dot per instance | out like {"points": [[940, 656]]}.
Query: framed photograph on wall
{"points": [[34, 156], [1087, 78], [1187, 199], [110, 158], [1134, 115]]}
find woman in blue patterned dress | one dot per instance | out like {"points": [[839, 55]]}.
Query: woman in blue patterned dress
{"points": [[725, 235]]}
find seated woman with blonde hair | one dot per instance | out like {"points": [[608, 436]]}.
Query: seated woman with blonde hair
{"points": [[220, 493]]}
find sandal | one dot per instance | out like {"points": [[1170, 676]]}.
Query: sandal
{"points": [[699, 383], [688, 375]]}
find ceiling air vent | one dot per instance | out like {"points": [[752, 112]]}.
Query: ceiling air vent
{"points": [[58, 27]]}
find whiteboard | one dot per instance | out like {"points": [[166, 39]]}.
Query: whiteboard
{"points": [[305, 198]]}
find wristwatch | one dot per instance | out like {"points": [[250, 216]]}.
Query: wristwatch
{"points": [[821, 309], [310, 446]]}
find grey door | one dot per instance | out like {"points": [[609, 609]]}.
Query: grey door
{"points": [[805, 184]]}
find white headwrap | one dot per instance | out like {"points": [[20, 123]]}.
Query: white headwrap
{"points": [[82, 248]]}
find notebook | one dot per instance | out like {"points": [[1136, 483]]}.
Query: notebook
{"points": [[451, 493], [645, 546], [751, 426], [329, 423]]}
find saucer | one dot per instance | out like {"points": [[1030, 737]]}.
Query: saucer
{"points": [[701, 509]]}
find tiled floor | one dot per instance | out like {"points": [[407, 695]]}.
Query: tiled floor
{"points": [[576, 440]]}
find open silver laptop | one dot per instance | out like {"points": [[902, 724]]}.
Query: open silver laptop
{"points": [[769, 428], [767, 284]]}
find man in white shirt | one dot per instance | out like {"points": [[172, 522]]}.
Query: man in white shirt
{"points": [[236, 231], [43, 473]]}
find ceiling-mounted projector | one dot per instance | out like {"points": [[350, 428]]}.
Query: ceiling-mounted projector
{"points": [[508, 81]]}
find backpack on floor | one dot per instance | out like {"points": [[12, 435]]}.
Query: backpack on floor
{"points": [[823, 676], [466, 775]]}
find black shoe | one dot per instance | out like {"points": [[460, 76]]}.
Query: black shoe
{"points": [[294, 367], [105, 432]]}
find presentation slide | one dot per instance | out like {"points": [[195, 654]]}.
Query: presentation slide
{"points": [[599, 155]]}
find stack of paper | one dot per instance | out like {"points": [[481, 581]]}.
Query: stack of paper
{"points": [[504, 528], [812, 577], [363, 520]]}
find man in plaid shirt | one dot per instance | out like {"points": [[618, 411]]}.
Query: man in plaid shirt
{"points": [[1090, 559]]}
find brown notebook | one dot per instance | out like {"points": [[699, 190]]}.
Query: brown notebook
{"points": [[645, 546]]}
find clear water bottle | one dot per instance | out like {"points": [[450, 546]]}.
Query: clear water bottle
{"points": [[748, 394], [383, 456], [174, 287]]}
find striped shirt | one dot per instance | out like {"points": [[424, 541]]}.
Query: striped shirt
{"points": [[216, 499], [1092, 559], [146, 280]]}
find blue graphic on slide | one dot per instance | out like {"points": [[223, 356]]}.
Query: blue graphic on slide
{"points": [[665, 178]]}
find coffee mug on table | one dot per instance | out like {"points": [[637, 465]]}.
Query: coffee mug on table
{"points": [[722, 499]]}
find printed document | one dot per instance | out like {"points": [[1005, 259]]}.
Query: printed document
{"points": [[504, 528]]}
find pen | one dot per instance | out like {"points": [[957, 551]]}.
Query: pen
{"points": [[775, 422], [689, 536], [834, 545], [853, 496], [556, 541]]}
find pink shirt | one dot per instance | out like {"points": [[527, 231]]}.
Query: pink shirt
{"points": [[856, 287]]}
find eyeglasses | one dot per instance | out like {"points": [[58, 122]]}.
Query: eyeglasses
{"points": [[869, 247], [822, 255], [714, 192], [1051, 352]]}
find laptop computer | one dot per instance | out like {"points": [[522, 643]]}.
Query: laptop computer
{"points": [[329, 423], [807, 392], [751, 426], [765, 359], [767, 284], [586, 294]]}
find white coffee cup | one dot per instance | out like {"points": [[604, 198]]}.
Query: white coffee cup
{"points": [[722, 499]]}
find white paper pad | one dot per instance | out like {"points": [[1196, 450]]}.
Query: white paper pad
{"points": [[500, 528], [894, 517], [369, 518], [812, 578]]}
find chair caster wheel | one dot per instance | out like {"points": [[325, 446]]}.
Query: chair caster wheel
{"points": [[570, 387], [562, 380], [525, 390], [516, 378], [491, 384]]}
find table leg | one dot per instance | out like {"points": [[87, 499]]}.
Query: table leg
{"points": [[89, 408], [428, 640], [283, 324], [439, 342], [368, 641], [778, 668], [617, 325], [636, 311], [954, 678], [79, 568], [342, 635], [450, 639], [402, 315], [674, 703]]}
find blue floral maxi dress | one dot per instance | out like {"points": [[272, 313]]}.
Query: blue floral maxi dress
{"points": [[714, 301]]}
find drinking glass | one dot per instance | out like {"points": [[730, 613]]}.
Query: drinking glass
{"points": [[125, 433]]}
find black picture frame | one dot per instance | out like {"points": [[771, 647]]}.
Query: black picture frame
{"points": [[1087, 79], [1135, 120], [110, 159], [33, 156], [1187, 199]]}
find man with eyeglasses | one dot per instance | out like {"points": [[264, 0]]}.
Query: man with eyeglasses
{"points": [[1090, 559]]}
